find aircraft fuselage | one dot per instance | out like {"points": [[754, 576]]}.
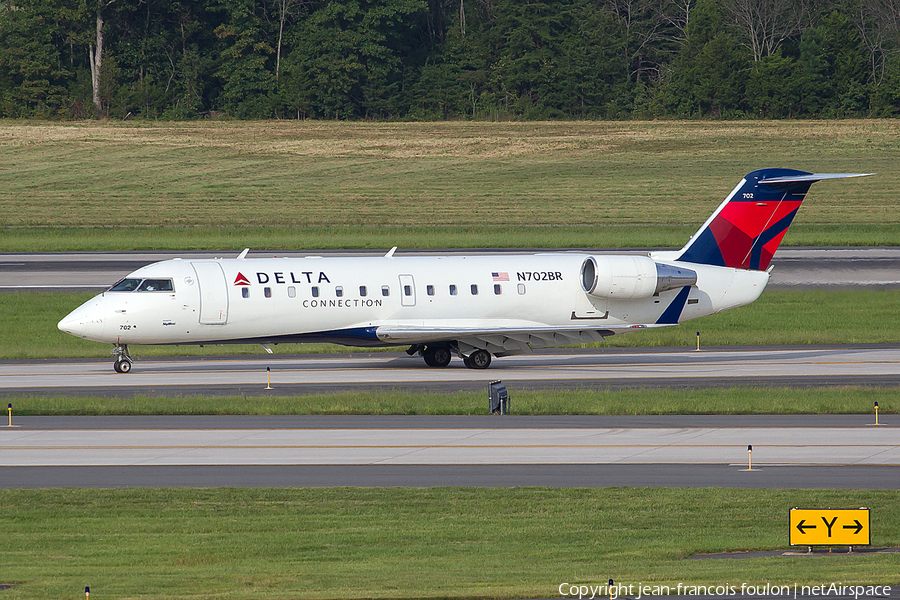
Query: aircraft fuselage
{"points": [[347, 300]]}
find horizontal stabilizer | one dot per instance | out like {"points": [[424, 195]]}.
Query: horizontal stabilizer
{"points": [[811, 177]]}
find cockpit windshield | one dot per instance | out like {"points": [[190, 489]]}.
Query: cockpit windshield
{"points": [[125, 285], [143, 285], [156, 285]]}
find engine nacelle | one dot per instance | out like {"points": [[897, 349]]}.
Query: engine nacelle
{"points": [[631, 277]]}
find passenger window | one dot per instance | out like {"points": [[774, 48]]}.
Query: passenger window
{"points": [[497, 289], [407, 290], [452, 290], [362, 290], [292, 291], [245, 292], [267, 292], [339, 292], [474, 289], [429, 289], [385, 290], [125, 285], [315, 291], [521, 288]]}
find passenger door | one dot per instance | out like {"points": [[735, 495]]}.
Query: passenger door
{"points": [[213, 292]]}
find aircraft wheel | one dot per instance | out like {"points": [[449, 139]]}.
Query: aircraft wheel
{"points": [[122, 366], [437, 356], [441, 356], [480, 359]]}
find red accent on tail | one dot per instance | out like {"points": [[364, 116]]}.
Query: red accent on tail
{"points": [[740, 224]]}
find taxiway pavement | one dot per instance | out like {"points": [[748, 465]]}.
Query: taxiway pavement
{"points": [[586, 369], [845, 451]]}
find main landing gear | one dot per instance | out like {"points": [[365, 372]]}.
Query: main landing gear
{"points": [[480, 359], [123, 359], [439, 355]]}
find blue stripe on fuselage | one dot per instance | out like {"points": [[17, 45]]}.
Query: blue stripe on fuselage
{"points": [[357, 336]]}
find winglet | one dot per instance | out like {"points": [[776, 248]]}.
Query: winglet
{"points": [[243, 254], [390, 253]]}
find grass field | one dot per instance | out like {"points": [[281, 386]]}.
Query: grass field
{"points": [[640, 401], [408, 543], [779, 317], [99, 186]]}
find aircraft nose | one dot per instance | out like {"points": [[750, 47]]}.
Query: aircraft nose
{"points": [[86, 322]]}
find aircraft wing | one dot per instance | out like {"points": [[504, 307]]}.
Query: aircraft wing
{"points": [[501, 341]]}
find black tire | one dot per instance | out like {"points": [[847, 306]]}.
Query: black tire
{"points": [[122, 366], [437, 356], [480, 359], [441, 356]]}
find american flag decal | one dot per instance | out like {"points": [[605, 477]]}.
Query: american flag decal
{"points": [[503, 276]]}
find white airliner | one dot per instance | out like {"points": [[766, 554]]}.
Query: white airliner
{"points": [[474, 307]]}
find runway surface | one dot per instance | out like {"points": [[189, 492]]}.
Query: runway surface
{"points": [[586, 369], [869, 445], [794, 268], [836, 452]]}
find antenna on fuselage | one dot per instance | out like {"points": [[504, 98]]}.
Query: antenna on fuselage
{"points": [[244, 253]]}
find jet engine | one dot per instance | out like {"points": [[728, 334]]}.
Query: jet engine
{"points": [[630, 277]]}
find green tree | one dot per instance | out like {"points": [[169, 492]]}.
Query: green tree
{"points": [[248, 79], [165, 50], [348, 59], [845, 55], [773, 88], [708, 75], [814, 85], [33, 75]]}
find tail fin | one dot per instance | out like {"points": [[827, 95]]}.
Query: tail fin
{"points": [[748, 226]]}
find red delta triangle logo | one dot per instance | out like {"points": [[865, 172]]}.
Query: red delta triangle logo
{"points": [[241, 280]]}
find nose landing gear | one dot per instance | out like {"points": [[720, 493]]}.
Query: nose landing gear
{"points": [[123, 359]]}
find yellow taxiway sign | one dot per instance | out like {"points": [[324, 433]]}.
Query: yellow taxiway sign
{"points": [[830, 527]]}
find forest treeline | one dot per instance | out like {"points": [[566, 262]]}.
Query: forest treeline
{"points": [[440, 59]]}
